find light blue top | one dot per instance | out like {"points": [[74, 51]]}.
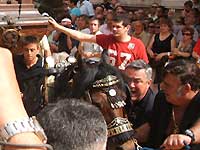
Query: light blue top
{"points": [[75, 11]]}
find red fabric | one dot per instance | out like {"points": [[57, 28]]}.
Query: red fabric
{"points": [[122, 53], [197, 47]]}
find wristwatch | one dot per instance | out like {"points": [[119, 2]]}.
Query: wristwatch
{"points": [[190, 133], [21, 126]]}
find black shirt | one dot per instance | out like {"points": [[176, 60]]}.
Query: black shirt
{"points": [[162, 46], [141, 111], [162, 111], [23, 73], [30, 81]]}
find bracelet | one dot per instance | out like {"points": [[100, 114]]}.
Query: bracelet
{"points": [[21, 126], [37, 146], [168, 53]]}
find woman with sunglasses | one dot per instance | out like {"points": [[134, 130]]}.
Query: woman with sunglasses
{"points": [[186, 45], [160, 47]]}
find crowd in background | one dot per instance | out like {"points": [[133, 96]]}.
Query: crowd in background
{"points": [[145, 25], [166, 33]]}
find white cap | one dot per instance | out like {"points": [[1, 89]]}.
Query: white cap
{"points": [[66, 20]]}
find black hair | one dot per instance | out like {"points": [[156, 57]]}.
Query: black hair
{"points": [[29, 39], [186, 70], [122, 18]]}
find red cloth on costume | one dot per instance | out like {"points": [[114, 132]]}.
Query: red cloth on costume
{"points": [[197, 47]]}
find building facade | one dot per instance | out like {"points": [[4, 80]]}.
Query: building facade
{"points": [[138, 3]]}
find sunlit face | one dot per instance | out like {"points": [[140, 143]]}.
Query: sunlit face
{"points": [[119, 29], [66, 5], [157, 28], [189, 20], [82, 23], [159, 12], [99, 10], [164, 28], [187, 8], [119, 10], [94, 26], [138, 83], [186, 35], [138, 27], [109, 19], [151, 28], [153, 8], [66, 23], [173, 89], [30, 52]]}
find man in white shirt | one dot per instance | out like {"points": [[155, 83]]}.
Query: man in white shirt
{"points": [[88, 50]]}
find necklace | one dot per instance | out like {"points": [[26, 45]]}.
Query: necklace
{"points": [[175, 129]]}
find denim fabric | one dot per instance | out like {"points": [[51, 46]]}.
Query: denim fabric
{"points": [[187, 147]]}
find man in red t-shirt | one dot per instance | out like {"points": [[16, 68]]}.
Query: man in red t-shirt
{"points": [[122, 48]]}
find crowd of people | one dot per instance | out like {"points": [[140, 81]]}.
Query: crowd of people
{"points": [[156, 50], [164, 32]]}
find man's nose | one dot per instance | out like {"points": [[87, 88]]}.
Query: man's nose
{"points": [[114, 28], [132, 84]]}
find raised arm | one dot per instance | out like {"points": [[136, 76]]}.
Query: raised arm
{"points": [[73, 33], [11, 107]]}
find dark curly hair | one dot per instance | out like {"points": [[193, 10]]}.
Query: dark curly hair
{"points": [[186, 70]]}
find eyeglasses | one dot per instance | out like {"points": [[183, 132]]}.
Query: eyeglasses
{"points": [[188, 34]]}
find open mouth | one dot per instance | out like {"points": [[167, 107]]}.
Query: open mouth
{"points": [[133, 93]]}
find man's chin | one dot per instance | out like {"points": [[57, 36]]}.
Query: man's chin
{"points": [[115, 34], [134, 98]]}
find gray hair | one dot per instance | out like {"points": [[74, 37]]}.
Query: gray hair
{"points": [[141, 64], [72, 124]]}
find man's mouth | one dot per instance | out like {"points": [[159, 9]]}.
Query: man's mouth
{"points": [[133, 92]]}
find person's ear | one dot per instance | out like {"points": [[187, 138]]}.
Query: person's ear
{"points": [[128, 27], [149, 82]]}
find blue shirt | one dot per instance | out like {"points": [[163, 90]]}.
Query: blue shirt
{"points": [[75, 12]]}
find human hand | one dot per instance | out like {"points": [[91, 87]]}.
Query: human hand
{"points": [[176, 141], [159, 56], [152, 54], [53, 22], [175, 51]]}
